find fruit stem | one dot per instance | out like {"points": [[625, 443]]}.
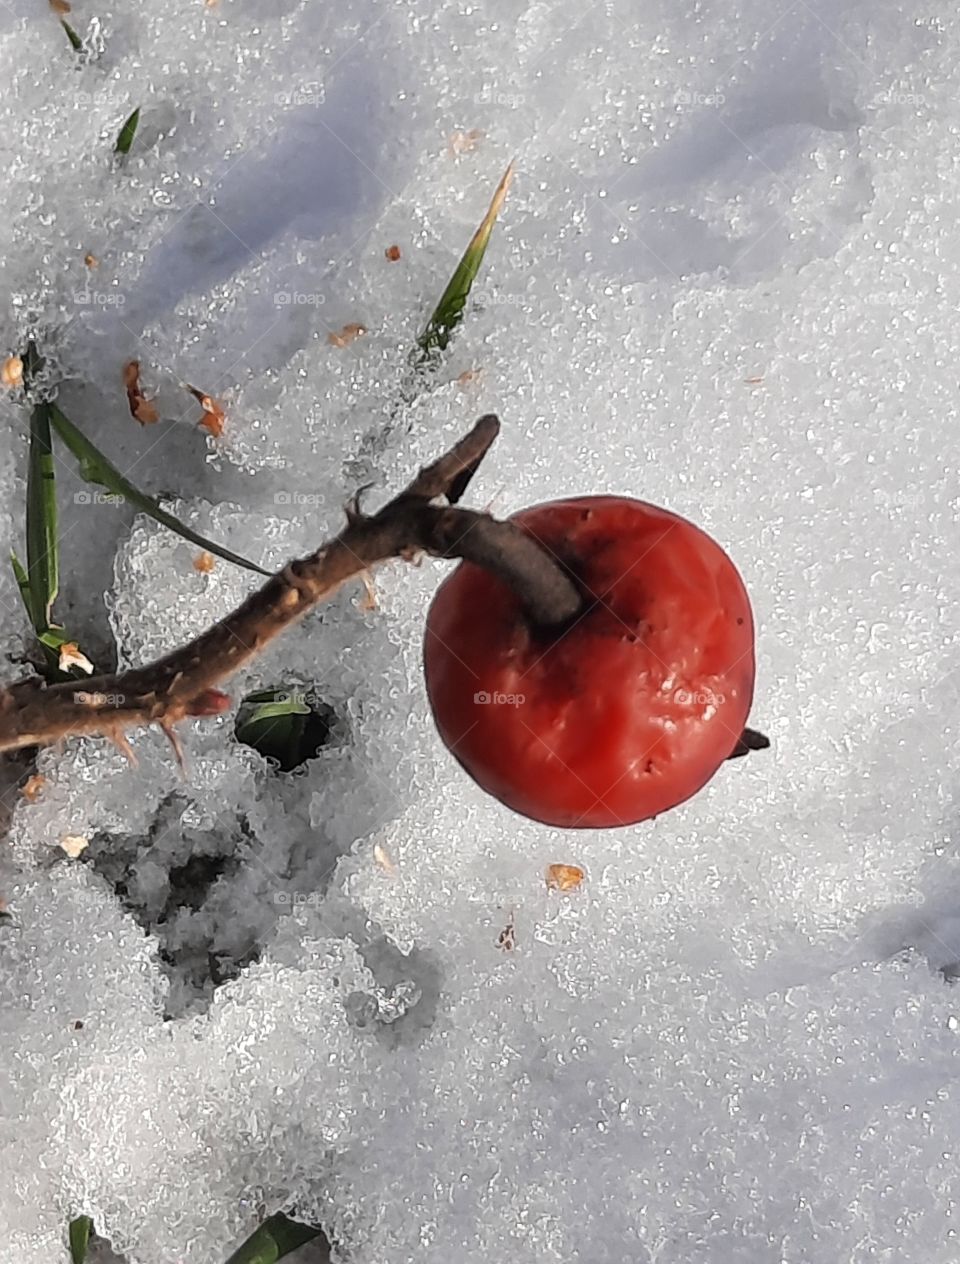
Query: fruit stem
{"points": [[547, 594]]}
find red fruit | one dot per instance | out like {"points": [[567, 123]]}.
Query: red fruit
{"points": [[626, 711]]}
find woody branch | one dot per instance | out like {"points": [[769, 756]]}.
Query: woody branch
{"points": [[184, 683]]}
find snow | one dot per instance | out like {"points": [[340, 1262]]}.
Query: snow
{"points": [[725, 281]]}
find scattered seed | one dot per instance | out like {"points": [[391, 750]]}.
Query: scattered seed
{"points": [[507, 938], [463, 142], [143, 409], [349, 333], [74, 845], [60, 6], [204, 562], [78, 1025], [564, 877], [72, 656], [384, 860], [753, 381], [468, 377], [32, 788], [392, 253], [11, 372], [368, 601], [214, 417], [91, 261]]}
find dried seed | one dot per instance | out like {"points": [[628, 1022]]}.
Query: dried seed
{"points": [[564, 877], [507, 940], [32, 788], [349, 333], [72, 656], [74, 845], [214, 417], [368, 602], [384, 860], [143, 409], [463, 142], [11, 372]]}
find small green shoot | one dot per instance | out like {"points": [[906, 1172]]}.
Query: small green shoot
{"points": [[449, 311], [276, 1237], [97, 468], [127, 133], [51, 637], [79, 1233], [23, 583], [76, 42], [283, 725], [42, 565], [39, 581]]}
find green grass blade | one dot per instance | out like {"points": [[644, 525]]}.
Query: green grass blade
{"points": [[449, 311], [275, 1238], [75, 41], [79, 1233], [96, 468], [51, 638], [23, 583], [127, 133], [42, 543]]}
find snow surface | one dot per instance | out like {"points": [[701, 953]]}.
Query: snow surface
{"points": [[726, 281]]}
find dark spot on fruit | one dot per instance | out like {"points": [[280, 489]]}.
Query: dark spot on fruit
{"points": [[648, 767], [586, 515], [739, 623]]}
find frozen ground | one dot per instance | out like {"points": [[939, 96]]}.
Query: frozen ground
{"points": [[726, 281]]}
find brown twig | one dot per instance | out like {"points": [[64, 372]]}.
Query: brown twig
{"points": [[183, 683]]}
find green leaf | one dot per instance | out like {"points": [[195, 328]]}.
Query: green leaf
{"points": [[127, 133], [72, 36], [42, 543], [79, 1231], [275, 1238], [96, 468], [283, 726], [449, 311]]}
